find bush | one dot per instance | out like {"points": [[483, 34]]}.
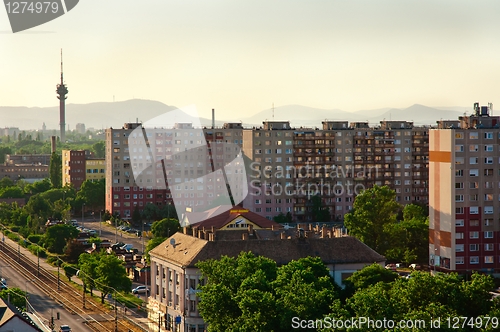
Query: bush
{"points": [[24, 231], [15, 228], [13, 237], [51, 259], [33, 248], [35, 238]]}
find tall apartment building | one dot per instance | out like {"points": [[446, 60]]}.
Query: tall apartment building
{"points": [[464, 193], [336, 162], [181, 164], [79, 165]]}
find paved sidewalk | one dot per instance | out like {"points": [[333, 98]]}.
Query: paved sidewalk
{"points": [[137, 316]]}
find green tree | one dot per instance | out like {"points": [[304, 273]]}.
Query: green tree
{"points": [[111, 276], [70, 270], [165, 227], [92, 193], [37, 187], [6, 182], [283, 218], [16, 296], [250, 293], [99, 149], [87, 263], [136, 216], [57, 236], [368, 276], [55, 170], [374, 212], [153, 243], [320, 212], [11, 192]]}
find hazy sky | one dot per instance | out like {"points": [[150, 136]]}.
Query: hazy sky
{"points": [[241, 56]]}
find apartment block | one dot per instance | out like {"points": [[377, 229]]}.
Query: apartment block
{"points": [[182, 163], [80, 165], [464, 193], [334, 163]]}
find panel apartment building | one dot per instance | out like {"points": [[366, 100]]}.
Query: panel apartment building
{"points": [[464, 196], [80, 165], [174, 165], [291, 165]]}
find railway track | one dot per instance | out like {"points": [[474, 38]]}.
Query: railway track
{"points": [[95, 315]]}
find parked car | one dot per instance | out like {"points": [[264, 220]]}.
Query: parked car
{"points": [[140, 290], [65, 328], [3, 284], [127, 247]]}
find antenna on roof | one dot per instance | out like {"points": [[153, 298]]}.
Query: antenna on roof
{"points": [[172, 242]]}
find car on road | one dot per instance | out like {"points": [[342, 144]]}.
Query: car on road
{"points": [[140, 290], [92, 232], [65, 328], [3, 284]]}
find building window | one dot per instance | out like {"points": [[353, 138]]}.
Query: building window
{"points": [[474, 247], [459, 247], [488, 235], [474, 210], [474, 260], [488, 247], [473, 223], [459, 198], [459, 260], [474, 172], [459, 222], [459, 210], [473, 160], [488, 259], [474, 235], [459, 236]]}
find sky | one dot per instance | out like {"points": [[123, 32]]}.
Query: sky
{"points": [[240, 57]]}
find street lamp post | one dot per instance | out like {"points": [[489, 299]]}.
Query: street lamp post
{"points": [[100, 223], [435, 251], [83, 221], [26, 286]]}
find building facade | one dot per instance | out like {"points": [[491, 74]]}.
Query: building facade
{"points": [[80, 165], [464, 185]]}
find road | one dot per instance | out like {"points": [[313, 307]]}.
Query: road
{"points": [[109, 232], [43, 306]]}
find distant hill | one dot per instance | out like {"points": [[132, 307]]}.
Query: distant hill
{"points": [[115, 114], [307, 116]]}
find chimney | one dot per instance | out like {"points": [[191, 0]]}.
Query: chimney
{"points": [[282, 236], [272, 227], [213, 118], [244, 236], [250, 228], [200, 234], [52, 144], [213, 229], [310, 227], [185, 230], [334, 232], [323, 232], [211, 237], [329, 234]]}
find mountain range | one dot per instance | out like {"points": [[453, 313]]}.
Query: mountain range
{"points": [[114, 114]]}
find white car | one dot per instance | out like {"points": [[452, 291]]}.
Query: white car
{"points": [[140, 290]]}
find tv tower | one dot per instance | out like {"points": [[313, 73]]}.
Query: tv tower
{"points": [[62, 91]]}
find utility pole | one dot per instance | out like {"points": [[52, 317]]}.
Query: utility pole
{"points": [[38, 258], [84, 289], [116, 315], [58, 276]]}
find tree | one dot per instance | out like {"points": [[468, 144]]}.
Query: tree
{"points": [[92, 193], [250, 293], [37, 187], [73, 250], [88, 269], [57, 236], [99, 149], [165, 227], [320, 212], [111, 276], [150, 211], [6, 182], [368, 276], [16, 296], [374, 210], [11, 192], [70, 270], [136, 216], [55, 170], [282, 218], [153, 243]]}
